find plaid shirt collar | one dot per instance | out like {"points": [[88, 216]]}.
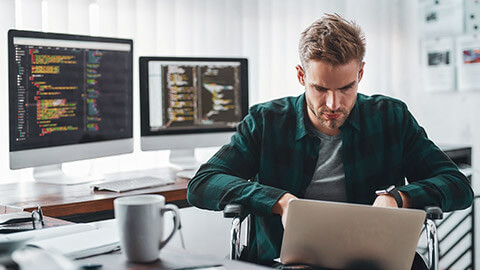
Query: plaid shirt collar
{"points": [[301, 108]]}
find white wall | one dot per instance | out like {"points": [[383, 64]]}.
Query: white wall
{"points": [[266, 32]]}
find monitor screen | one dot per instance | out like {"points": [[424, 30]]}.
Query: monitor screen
{"points": [[200, 97], [68, 90]]}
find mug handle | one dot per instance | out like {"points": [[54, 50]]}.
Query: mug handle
{"points": [[176, 220]]}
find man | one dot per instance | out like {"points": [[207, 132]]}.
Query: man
{"points": [[330, 143]]}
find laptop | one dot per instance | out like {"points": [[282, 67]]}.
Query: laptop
{"points": [[334, 235]]}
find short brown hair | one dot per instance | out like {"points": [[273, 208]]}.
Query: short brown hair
{"points": [[332, 40]]}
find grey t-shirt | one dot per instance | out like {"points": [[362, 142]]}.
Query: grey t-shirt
{"points": [[328, 181]]}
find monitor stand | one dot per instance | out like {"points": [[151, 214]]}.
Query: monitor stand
{"points": [[53, 174], [184, 159]]}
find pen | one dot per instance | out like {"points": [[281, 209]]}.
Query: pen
{"points": [[91, 266], [198, 267]]}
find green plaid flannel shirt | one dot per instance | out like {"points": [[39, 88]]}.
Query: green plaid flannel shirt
{"points": [[382, 145]]}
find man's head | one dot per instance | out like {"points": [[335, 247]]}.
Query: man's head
{"points": [[331, 52]]}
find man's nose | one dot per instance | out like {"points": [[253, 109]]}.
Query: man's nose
{"points": [[333, 100]]}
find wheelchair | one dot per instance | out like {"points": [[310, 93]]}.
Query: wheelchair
{"points": [[238, 214]]}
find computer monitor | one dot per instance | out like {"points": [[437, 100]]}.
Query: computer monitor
{"points": [[189, 102], [70, 98]]}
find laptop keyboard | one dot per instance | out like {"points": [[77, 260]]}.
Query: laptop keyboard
{"points": [[133, 184]]}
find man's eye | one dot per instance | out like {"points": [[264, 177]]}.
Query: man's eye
{"points": [[346, 88]]}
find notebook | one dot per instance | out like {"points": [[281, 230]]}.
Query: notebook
{"points": [[334, 235]]}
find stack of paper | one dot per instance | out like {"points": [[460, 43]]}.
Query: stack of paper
{"points": [[74, 241]]}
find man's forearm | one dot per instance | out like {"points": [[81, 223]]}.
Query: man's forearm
{"points": [[214, 190], [433, 178]]}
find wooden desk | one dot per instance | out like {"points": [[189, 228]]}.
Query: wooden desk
{"points": [[79, 203], [170, 258]]}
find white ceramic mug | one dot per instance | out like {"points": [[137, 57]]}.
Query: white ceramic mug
{"points": [[140, 225]]}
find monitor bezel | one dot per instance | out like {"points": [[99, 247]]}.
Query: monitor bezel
{"points": [[144, 94], [53, 154]]}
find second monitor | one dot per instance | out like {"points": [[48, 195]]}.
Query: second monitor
{"points": [[190, 102]]}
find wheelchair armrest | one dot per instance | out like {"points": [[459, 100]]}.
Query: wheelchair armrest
{"points": [[238, 213], [434, 212], [233, 211]]}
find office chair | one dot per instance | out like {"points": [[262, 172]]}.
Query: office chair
{"points": [[238, 214]]}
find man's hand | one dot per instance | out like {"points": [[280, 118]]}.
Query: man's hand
{"points": [[281, 206], [388, 200]]}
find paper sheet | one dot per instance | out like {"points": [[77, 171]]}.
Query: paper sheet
{"points": [[82, 244], [468, 55], [74, 241], [438, 62], [439, 18], [48, 232]]}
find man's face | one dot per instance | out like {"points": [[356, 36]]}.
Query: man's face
{"points": [[330, 92]]}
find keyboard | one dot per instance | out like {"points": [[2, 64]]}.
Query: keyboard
{"points": [[132, 184]]}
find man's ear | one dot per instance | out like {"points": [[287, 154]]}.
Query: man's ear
{"points": [[300, 75], [360, 72]]}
